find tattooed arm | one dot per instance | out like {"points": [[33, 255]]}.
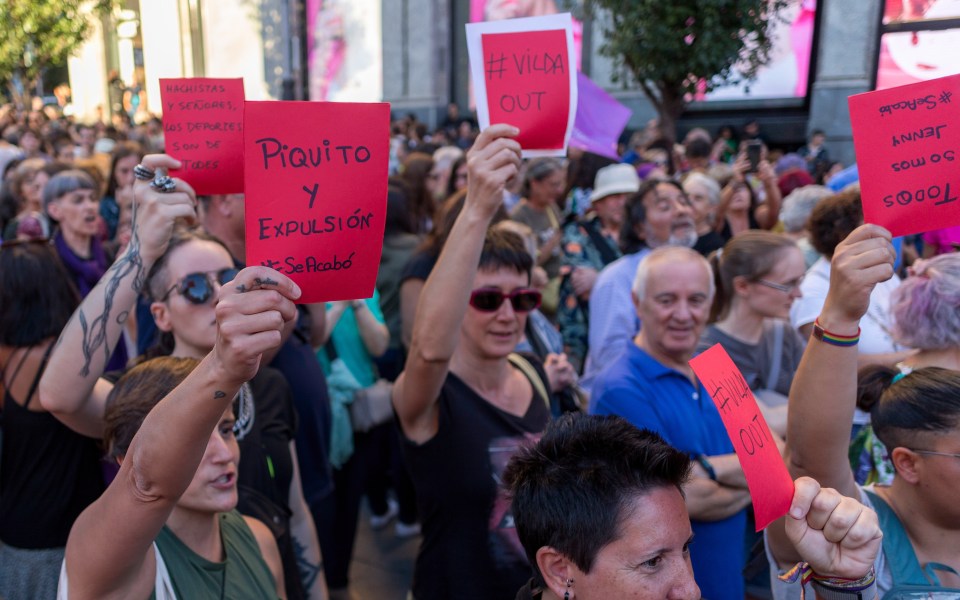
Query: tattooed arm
{"points": [[304, 533], [71, 387], [163, 458]]}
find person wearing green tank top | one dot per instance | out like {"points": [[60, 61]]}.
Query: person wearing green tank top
{"points": [[166, 525]]}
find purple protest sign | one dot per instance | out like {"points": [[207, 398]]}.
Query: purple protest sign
{"points": [[600, 119]]}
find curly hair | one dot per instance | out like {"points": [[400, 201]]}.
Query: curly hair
{"points": [[833, 219]]}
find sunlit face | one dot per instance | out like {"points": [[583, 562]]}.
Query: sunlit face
{"points": [[194, 326], [494, 334], [703, 209], [669, 218], [548, 190], [77, 212], [123, 173], [675, 307], [650, 560], [788, 271], [214, 485]]}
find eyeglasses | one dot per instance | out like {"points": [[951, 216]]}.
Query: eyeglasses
{"points": [[489, 299], [932, 453], [786, 288], [198, 287]]}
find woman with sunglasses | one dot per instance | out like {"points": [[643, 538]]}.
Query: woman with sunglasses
{"points": [[48, 473], [463, 407], [166, 526], [182, 273], [757, 276], [917, 418]]}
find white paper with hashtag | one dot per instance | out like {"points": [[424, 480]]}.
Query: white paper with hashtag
{"points": [[475, 32]]}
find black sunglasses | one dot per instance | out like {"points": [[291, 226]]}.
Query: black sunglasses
{"points": [[490, 299], [198, 287]]}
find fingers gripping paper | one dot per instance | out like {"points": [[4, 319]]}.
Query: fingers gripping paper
{"points": [[771, 487]]}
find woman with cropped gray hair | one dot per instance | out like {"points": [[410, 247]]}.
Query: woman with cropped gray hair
{"points": [[795, 213], [704, 194], [72, 199]]}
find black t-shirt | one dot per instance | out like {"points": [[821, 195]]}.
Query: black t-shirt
{"points": [[709, 242], [420, 266], [470, 548]]}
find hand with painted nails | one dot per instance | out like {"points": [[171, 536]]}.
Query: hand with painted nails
{"points": [[838, 536], [251, 313]]}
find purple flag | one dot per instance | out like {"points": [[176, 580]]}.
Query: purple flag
{"points": [[600, 119]]}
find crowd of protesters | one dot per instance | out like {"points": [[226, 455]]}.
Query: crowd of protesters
{"points": [[172, 423]]}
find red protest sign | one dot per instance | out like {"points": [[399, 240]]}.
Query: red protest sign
{"points": [[907, 141], [527, 77], [316, 193], [771, 487], [203, 129]]}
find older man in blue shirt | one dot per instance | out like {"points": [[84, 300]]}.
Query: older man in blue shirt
{"points": [[652, 386]]}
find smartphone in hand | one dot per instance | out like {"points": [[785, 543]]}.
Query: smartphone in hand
{"points": [[754, 149]]}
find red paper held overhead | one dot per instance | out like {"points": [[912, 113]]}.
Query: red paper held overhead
{"points": [[203, 129], [316, 193], [771, 487], [527, 78], [907, 141]]}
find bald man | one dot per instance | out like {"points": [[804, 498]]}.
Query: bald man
{"points": [[653, 387]]}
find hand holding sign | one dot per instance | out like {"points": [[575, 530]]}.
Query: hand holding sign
{"points": [[771, 488], [203, 129], [907, 141], [523, 75]]}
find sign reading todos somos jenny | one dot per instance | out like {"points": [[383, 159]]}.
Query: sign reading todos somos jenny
{"points": [[907, 141], [316, 192]]}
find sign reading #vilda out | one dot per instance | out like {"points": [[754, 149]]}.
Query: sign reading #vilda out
{"points": [[316, 190]]}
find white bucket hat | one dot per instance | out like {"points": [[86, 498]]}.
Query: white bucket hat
{"points": [[615, 179]]}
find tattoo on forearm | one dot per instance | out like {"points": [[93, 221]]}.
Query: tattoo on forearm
{"points": [[308, 570], [95, 331]]}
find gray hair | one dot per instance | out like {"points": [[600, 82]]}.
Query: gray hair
{"points": [[924, 307], [798, 205], [697, 178], [65, 182], [672, 254]]}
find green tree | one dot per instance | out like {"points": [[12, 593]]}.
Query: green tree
{"points": [[674, 48], [37, 34]]}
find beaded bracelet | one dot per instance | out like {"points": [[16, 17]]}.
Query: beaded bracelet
{"points": [[834, 339]]}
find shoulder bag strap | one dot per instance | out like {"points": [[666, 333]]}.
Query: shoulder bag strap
{"points": [[531, 374]]}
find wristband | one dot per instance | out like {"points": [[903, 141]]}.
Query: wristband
{"points": [[706, 466], [834, 339], [833, 588]]}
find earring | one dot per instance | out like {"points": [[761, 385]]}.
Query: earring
{"points": [[566, 595]]}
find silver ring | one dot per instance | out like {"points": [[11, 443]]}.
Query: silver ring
{"points": [[164, 183], [143, 174]]}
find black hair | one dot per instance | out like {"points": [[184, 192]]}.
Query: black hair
{"points": [[37, 295], [505, 250], [698, 148], [630, 240], [399, 218], [924, 401], [573, 489]]}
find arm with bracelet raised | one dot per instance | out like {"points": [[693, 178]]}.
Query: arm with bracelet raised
{"points": [[823, 394]]}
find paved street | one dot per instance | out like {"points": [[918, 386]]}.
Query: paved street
{"points": [[382, 563]]}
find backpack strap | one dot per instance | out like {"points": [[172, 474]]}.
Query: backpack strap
{"points": [[530, 372]]}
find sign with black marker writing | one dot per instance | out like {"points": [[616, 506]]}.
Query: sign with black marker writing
{"points": [[771, 487], [907, 141], [316, 193], [203, 129], [524, 73]]}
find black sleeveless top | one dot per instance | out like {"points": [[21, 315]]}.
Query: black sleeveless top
{"points": [[48, 475], [470, 548]]}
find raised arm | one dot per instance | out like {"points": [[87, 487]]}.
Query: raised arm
{"points": [[768, 213], [493, 160], [71, 387], [115, 561], [823, 394]]}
